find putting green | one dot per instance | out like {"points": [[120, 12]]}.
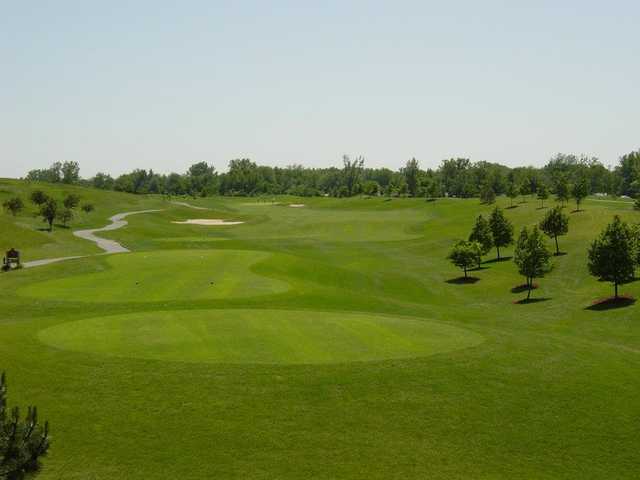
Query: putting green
{"points": [[164, 275], [258, 336]]}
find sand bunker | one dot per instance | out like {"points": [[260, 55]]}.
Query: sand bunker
{"points": [[296, 205], [207, 221]]}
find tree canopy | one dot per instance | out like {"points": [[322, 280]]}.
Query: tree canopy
{"points": [[23, 441], [411, 173], [464, 255], [555, 224], [543, 194], [531, 255], [613, 254], [13, 205], [579, 191], [481, 234], [457, 177], [501, 229], [49, 212]]}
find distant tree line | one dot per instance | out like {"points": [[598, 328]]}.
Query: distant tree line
{"points": [[563, 176]]}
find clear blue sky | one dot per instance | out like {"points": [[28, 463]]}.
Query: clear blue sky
{"points": [[155, 84]]}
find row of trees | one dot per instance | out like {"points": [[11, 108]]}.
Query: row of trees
{"points": [[562, 176], [531, 254], [613, 256], [48, 207]]}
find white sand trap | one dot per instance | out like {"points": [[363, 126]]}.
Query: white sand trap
{"points": [[296, 205], [207, 221], [188, 205]]}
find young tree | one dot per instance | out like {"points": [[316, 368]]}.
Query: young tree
{"points": [[612, 254], [70, 172], [22, 442], [481, 234], [411, 173], [66, 216], [487, 195], [512, 192], [543, 194], [13, 205], [554, 224], [562, 190], [531, 255], [49, 212], [71, 201], [501, 230], [38, 197], [464, 255], [525, 189], [432, 190], [88, 208], [580, 191], [370, 187], [352, 171]]}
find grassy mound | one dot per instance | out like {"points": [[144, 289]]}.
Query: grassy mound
{"points": [[164, 275]]}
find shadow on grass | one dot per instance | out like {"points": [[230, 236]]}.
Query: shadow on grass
{"points": [[559, 254], [611, 303], [542, 208], [511, 206], [497, 260], [576, 211], [523, 288], [476, 269], [524, 301], [462, 280]]}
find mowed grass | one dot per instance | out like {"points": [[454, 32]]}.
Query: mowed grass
{"points": [[356, 359], [258, 336], [163, 275]]}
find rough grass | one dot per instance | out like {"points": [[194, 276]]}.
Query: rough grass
{"points": [[551, 392]]}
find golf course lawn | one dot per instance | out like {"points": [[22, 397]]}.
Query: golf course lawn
{"points": [[142, 277], [329, 341], [257, 336]]}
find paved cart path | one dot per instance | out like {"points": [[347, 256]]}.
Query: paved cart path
{"points": [[109, 246]]}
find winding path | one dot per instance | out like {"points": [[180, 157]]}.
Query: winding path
{"points": [[109, 246]]}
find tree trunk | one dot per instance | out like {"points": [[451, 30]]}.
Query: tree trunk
{"points": [[557, 248], [465, 272], [498, 250], [616, 289], [530, 281]]}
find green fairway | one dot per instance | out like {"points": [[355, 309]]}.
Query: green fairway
{"points": [[257, 336], [330, 341], [164, 275]]}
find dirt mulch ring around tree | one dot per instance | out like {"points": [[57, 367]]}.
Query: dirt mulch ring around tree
{"points": [[608, 303]]}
